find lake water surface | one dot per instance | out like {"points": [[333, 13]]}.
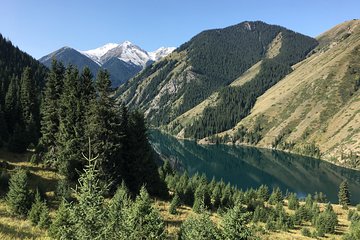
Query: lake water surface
{"points": [[248, 167]]}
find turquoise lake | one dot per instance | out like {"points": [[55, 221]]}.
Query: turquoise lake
{"points": [[247, 167]]}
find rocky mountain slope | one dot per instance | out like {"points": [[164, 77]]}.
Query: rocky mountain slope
{"points": [[122, 61], [315, 109], [205, 66]]}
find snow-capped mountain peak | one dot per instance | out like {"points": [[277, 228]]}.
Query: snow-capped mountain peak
{"points": [[160, 53], [127, 52], [97, 53]]}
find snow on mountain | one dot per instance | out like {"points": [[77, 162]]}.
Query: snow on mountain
{"points": [[127, 52], [160, 53], [97, 53]]}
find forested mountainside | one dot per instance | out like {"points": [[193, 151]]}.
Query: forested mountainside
{"points": [[315, 109], [209, 65], [21, 81]]}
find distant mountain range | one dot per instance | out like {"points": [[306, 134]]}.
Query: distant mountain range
{"points": [[122, 61]]}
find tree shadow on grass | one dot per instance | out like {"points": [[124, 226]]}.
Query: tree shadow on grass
{"points": [[16, 233]]}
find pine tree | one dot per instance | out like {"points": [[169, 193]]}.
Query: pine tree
{"points": [[28, 106], [235, 223], [103, 127], [68, 138], [11, 110], [199, 227], [50, 110], [327, 220], [263, 193], [216, 196], [276, 196], [36, 209], [18, 197], [44, 219], [175, 203], [3, 128], [344, 194], [89, 213], [62, 227], [293, 201], [119, 211], [145, 220]]}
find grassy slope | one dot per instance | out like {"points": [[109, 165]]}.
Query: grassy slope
{"points": [[313, 100], [15, 228]]}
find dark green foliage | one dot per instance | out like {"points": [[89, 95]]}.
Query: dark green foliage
{"points": [[344, 194], [326, 221], [3, 128], [88, 215], [36, 209], [144, 219], [276, 196], [44, 220], [62, 225], [119, 214], [50, 110], [19, 197], [235, 222], [320, 197], [306, 232], [175, 203], [19, 99], [63, 190], [358, 207], [293, 201], [199, 227], [263, 193], [17, 142]]}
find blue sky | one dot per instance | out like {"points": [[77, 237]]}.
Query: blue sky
{"points": [[42, 26]]}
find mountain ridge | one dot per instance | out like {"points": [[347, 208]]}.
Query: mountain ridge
{"points": [[132, 59]]}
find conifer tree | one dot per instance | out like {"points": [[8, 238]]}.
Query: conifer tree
{"points": [[293, 201], [36, 208], [144, 219], [62, 227], [263, 193], [29, 106], [89, 213], [216, 196], [276, 196], [199, 227], [18, 197], [50, 110], [11, 110], [3, 128], [327, 220], [119, 214], [235, 223], [70, 125], [44, 220], [17, 143], [103, 129], [344, 194], [175, 203]]}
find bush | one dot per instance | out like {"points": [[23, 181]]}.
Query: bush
{"points": [[358, 207]]}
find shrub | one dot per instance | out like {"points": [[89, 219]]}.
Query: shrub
{"points": [[306, 232]]}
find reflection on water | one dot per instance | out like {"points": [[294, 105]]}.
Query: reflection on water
{"points": [[248, 167]]}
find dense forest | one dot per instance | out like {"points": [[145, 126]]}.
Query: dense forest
{"points": [[22, 79]]}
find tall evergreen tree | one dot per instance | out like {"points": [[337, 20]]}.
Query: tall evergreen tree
{"points": [[18, 197], [3, 128], [29, 106], [89, 213], [235, 224], [62, 226], [50, 110], [69, 138], [12, 104], [103, 129], [344, 194]]}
